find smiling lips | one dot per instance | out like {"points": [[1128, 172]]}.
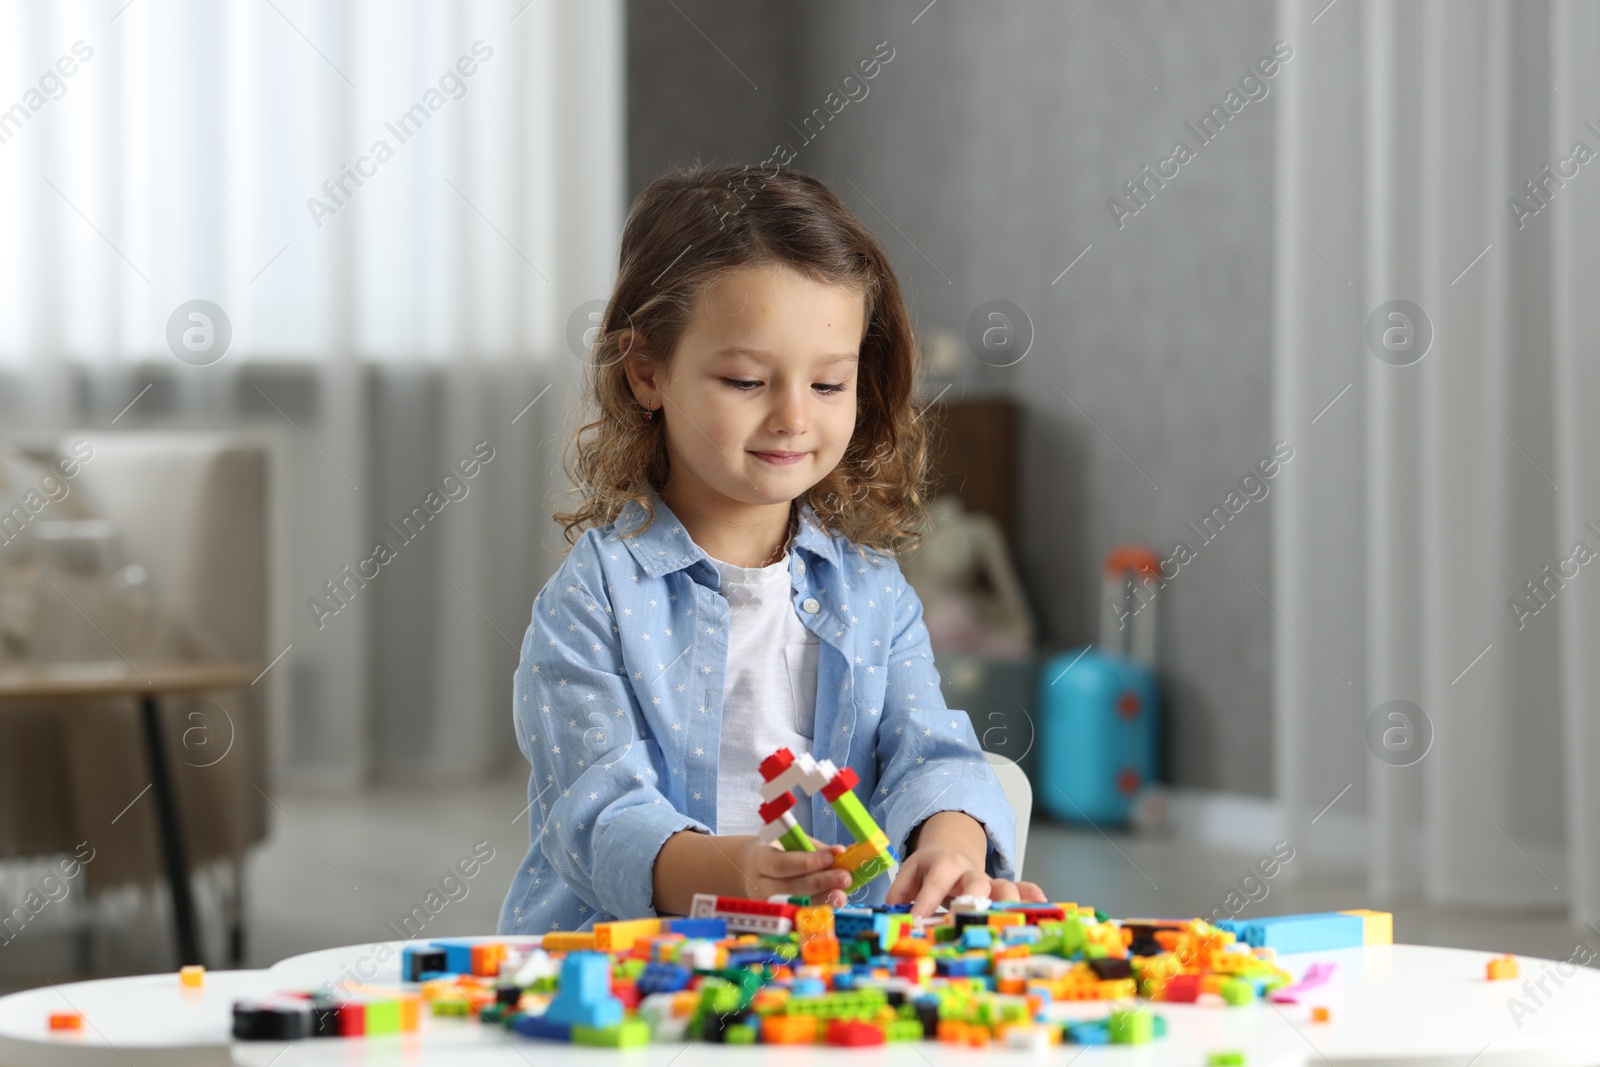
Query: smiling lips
{"points": [[780, 458]]}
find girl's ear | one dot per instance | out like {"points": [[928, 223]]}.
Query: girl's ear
{"points": [[639, 367]]}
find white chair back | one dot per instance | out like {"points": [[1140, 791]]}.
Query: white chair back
{"points": [[1019, 794]]}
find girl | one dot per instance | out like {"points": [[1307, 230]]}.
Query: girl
{"points": [[753, 464]]}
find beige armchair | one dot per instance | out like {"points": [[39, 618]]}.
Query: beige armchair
{"points": [[192, 509]]}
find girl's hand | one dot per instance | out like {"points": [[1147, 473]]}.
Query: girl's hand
{"points": [[935, 872], [768, 869]]}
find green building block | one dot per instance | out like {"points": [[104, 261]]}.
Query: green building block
{"points": [[629, 1033], [739, 1034], [1131, 1027], [1238, 991], [905, 1030], [382, 1017], [855, 816], [848, 1004], [795, 840], [1225, 1059], [869, 870]]}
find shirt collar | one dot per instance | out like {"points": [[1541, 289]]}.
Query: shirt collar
{"points": [[666, 546]]}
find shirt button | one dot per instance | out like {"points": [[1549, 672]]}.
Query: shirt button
{"points": [[799, 566], [809, 605]]}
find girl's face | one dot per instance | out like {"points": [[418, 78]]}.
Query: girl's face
{"points": [[759, 398]]}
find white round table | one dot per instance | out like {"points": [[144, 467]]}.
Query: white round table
{"points": [[1395, 1005]]}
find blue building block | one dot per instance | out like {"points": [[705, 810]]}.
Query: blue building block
{"points": [[977, 937], [961, 966], [754, 957], [710, 929], [1091, 1032], [1019, 935], [807, 987], [585, 997], [848, 923], [1318, 932], [418, 963], [457, 953], [540, 1026], [663, 978]]}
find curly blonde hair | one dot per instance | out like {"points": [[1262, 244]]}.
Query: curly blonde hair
{"points": [[685, 230]]}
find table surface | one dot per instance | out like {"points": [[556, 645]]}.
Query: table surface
{"points": [[1394, 1005], [52, 681]]}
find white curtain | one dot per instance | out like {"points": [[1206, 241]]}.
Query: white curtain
{"points": [[1430, 153], [399, 209]]}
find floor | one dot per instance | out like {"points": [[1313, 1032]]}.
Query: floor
{"points": [[343, 870]]}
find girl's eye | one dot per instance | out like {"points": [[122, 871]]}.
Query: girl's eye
{"points": [[744, 385]]}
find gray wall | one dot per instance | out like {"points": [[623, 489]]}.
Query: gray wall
{"points": [[983, 156]]}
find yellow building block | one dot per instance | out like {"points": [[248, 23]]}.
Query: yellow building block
{"points": [[1377, 927], [620, 936], [861, 852]]}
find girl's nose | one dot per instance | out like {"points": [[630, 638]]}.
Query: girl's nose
{"points": [[790, 412]]}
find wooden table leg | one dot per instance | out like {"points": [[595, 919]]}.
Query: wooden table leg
{"points": [[172, 849]]}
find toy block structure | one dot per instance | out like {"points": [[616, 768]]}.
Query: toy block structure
{"points": [[782, 773]]}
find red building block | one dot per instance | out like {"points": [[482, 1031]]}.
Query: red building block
{"points": [[776, 806], [840, 784], [776, 764], [854, 1032], [1184, 988]]}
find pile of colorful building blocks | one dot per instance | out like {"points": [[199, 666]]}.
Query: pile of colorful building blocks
{"points": [[785, 971]]}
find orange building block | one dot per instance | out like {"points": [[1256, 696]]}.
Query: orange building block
{"points": [[486, 959], [66, 1020], [789, 1029], [820, 951], [192, 976], [1319, 1014], [568, 941], [911, 947], [1501, 968]]}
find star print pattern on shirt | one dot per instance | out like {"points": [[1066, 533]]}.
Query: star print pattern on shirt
{"points": [[621, 729]]}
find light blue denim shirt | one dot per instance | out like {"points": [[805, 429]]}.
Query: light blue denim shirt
{"points": [[618, 707]]}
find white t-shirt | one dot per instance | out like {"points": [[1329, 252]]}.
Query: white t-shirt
{"points": [[770, 698]]}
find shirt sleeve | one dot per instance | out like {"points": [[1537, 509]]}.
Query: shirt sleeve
{"points": [[594, 768], [929, 759]]}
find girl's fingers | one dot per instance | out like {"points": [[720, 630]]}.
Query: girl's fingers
{"points": [[794, 864], [936, 886], [1000, 889], [1032, 893], [815, 885]]}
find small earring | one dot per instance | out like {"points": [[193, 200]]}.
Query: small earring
{"points": [[649, 415]]}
